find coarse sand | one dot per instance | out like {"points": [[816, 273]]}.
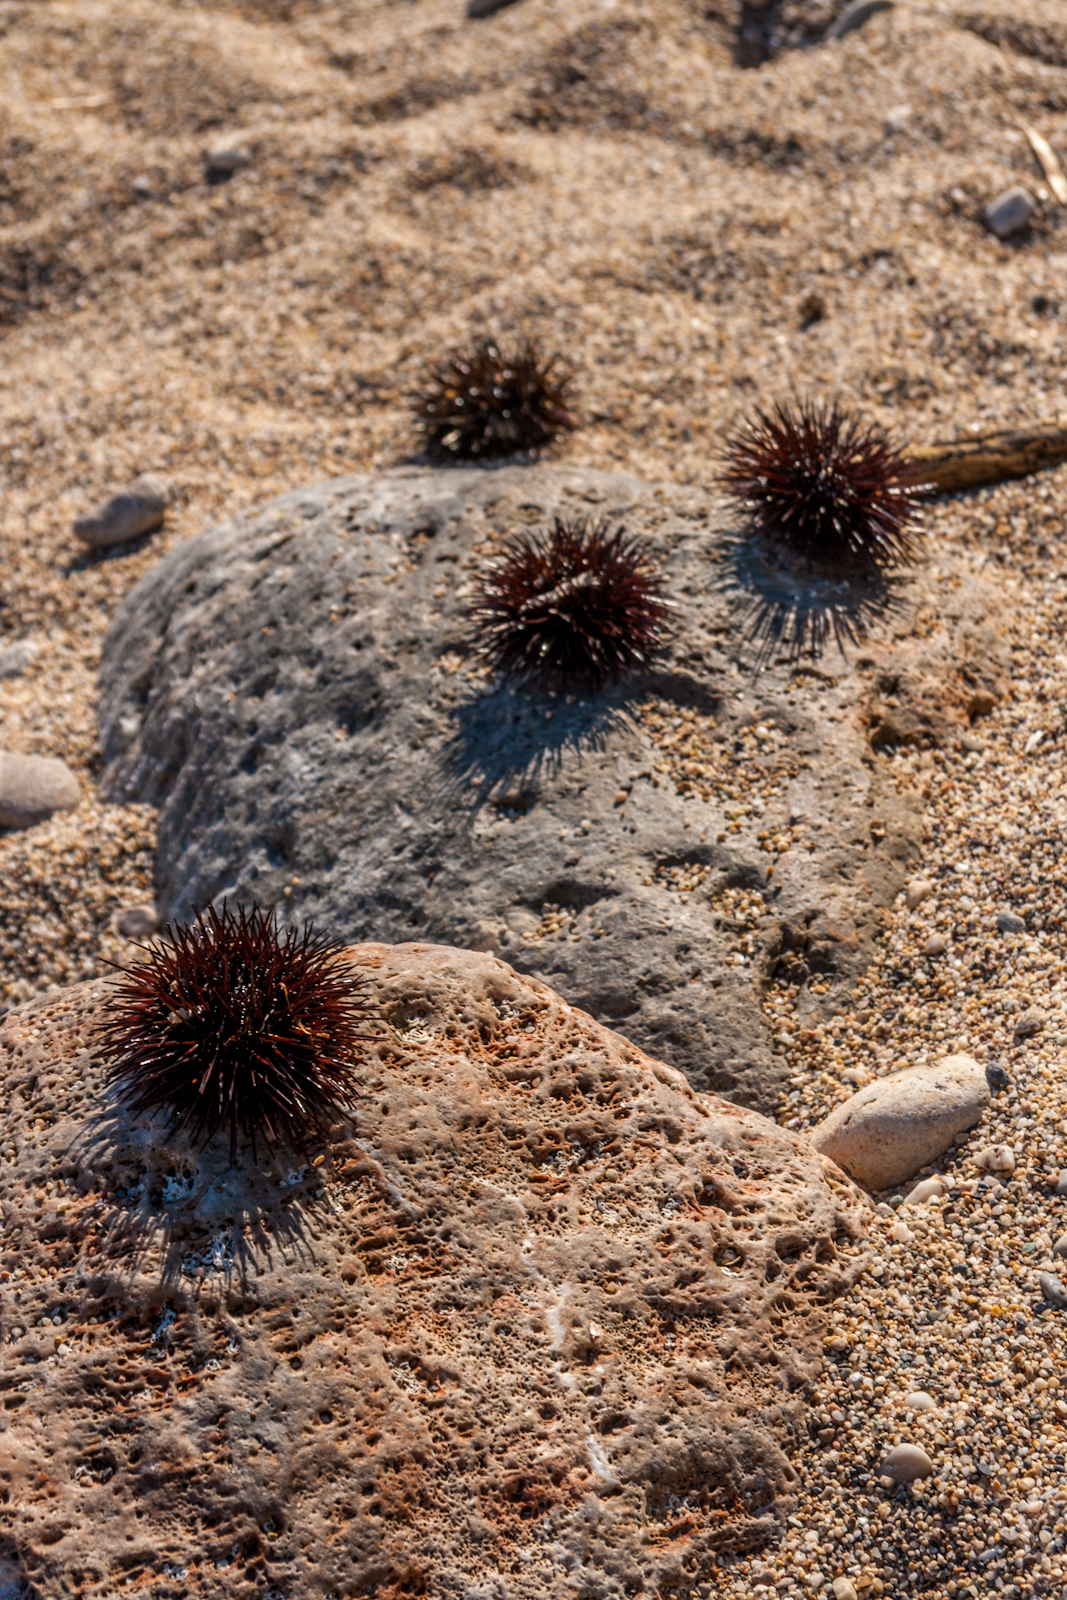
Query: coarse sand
{"points": [[702, 208]]}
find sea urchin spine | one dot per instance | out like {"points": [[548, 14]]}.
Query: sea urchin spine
{"points": [[832, 488], [491, 402], [234, 1022], [579, 605]]}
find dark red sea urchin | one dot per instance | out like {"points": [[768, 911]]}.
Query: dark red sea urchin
{"points": [[580, 605], [238, 1023], [830, 487], [490, 402]]}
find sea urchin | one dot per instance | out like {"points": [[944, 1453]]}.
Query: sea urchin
{"points": [[579, 605], [833, 489], [490, 402], [238, 1023]]}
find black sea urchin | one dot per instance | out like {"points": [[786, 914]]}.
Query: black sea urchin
{"points": [[238, 1023], [578, 605], [830, 487], [491, 402]]}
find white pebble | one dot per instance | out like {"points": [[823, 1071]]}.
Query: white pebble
{"points": [[996, 1158], [919, 1400], [928, 1189], [917, 891]]}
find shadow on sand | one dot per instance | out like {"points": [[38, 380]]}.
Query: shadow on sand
{"points": [[792, 610]]}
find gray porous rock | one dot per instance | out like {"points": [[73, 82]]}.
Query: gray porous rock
{"points": [[886, 1132], [538, 1323], [138, 509], [295, 691], [33, 787]]}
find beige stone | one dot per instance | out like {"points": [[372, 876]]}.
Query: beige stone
{"points": [[884, 1134], [33, 787]]}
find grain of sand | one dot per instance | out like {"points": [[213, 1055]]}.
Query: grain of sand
{"points": [[663, 191]]}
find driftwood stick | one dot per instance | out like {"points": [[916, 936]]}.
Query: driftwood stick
{"points": [[991, 457]]}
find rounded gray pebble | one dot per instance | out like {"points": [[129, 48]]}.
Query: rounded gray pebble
{"points": [[905, 1463], [138, 509], [1052, 1289], [1009, 212], [137, 922]]}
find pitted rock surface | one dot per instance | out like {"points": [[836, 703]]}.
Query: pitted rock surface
{"points": [[294, 690], [538, 1323]]}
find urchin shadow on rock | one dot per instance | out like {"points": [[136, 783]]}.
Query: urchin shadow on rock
{"points": [[791, 610], [494, 755], [187, 1207]]}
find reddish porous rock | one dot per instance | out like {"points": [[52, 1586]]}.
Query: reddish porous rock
{"points": [[538, 1323]]}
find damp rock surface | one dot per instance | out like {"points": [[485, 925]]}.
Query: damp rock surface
{"points": [[540, 1310], [295, 691]]}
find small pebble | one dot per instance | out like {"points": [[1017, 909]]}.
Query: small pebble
{"points": [[844, 1589], [917, 891], [905, 1463], [136, 922], [486, 8], [919, 1400], [33, 787], [16, 658], [996, 1077], [133, 511], [1032, 1021], [1052, 1289], [1009, 212], [812, 308], [926, 1190], [854, 16], [982, 704], [1060, 1247], [936, 945], [1008, 922], [1061, 1181], [996, 1158], [226, 157]]}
